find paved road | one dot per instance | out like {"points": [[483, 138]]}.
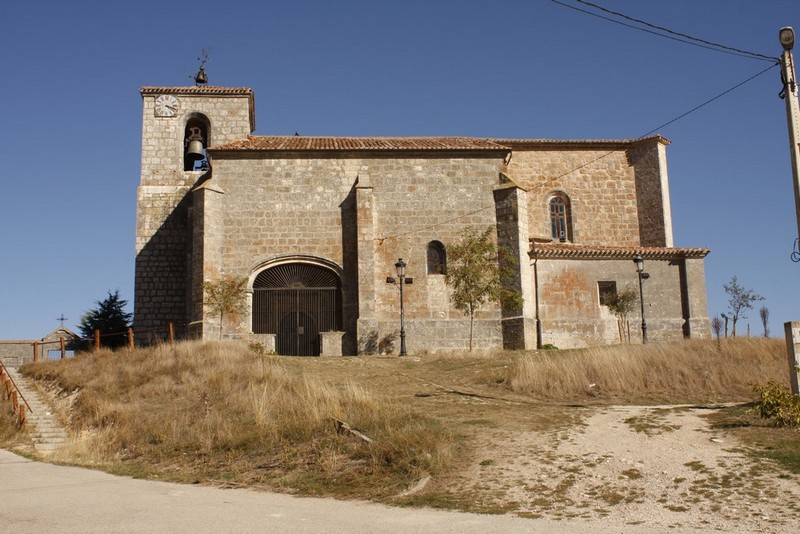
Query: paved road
{"points": [[41, 498]]}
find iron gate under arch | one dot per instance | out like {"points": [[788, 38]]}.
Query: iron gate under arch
{"points": [[297, 301]]}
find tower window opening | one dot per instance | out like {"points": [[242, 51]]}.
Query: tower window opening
{"points": [[195, 141]]}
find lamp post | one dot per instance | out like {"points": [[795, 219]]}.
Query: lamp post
{"points": [[400, 266], [642, 277], [535, 255]]}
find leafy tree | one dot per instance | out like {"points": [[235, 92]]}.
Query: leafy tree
{"points": [[621, 304], [741, 300], [110, 318], [477, 270], [225, 297]]}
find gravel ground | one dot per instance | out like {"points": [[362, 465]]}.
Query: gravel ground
{"points": [[631, 467]]}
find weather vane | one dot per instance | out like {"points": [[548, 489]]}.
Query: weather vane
{"points": [[201, 78]]}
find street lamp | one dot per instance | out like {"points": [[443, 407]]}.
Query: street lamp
{"points": [[400, 267], [642, 277]]}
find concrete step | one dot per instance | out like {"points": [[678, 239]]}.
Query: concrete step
{"points": [[47, 432]]}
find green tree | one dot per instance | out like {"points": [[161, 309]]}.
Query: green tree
{"points": [[110, 318], [225, 297], [621, 304], [477, 271], [741, 300]]}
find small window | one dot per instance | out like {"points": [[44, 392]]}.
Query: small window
{"points": [[437, 258], [560, 223], [606, 291]]}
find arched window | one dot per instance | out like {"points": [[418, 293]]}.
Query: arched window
{"points": [[437, 258], [560, 218]]}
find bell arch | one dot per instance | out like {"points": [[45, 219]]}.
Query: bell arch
{"points": [[296, 299], [195, 141]]}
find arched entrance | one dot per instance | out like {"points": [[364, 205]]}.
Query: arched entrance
{"points": [[296, 301]]}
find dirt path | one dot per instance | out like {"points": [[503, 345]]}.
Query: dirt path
{"points": [[654, 467]]}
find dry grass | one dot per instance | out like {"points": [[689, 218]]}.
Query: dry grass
{"points": [[690, 371], [9, 426], [220, 413]]}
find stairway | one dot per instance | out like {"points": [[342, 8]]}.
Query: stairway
{"points": [[43, 425]]}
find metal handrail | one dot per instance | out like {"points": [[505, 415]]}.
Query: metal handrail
{"points": [[5, 370]]}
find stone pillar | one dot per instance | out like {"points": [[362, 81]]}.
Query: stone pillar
{"points": [[330, 343], [367, 325], [267, 340], [511, 208], [792, 330], [699, 326], [206, 261]]}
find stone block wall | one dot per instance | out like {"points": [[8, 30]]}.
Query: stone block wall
{"points": [[572, 316], [610, 185], [17, 352], [163, 227], [357, 210], [307, 207]]}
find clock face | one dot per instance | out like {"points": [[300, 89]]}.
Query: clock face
{"points": [[166, 106]]}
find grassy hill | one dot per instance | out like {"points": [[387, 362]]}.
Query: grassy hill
{"points": [[221, 413]]}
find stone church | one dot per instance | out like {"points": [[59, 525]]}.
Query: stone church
{"points": [[316, 225]]}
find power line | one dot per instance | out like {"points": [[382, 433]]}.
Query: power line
{"points": [[669, 34], [598, 158], [723, 93]]}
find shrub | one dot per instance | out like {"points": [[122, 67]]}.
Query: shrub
{"points": [[777, 402]]}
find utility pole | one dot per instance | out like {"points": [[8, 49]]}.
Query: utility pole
{"points": [[789, 95]]}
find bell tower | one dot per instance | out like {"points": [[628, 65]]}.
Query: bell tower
{"points": [[178, 125]]}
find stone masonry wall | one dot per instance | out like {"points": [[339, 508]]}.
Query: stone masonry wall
{"points": [[652, 194], [603, 184], [306, 207], [163, 230], [570, 309]]}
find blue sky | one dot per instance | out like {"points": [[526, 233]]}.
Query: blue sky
{"points": [[70, 134]]}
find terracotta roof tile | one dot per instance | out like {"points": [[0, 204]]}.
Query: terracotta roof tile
{"points": [[304, 143], [526, 143], [275, 143], [569, 251]]}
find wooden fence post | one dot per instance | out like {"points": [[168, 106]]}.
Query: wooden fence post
{"points": [[97, 340], [22, 417], [63, 348], [130, 338], [35, 351], [171, 333]]}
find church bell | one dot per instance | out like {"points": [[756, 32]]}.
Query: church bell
{"points": [[194, 144]]}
